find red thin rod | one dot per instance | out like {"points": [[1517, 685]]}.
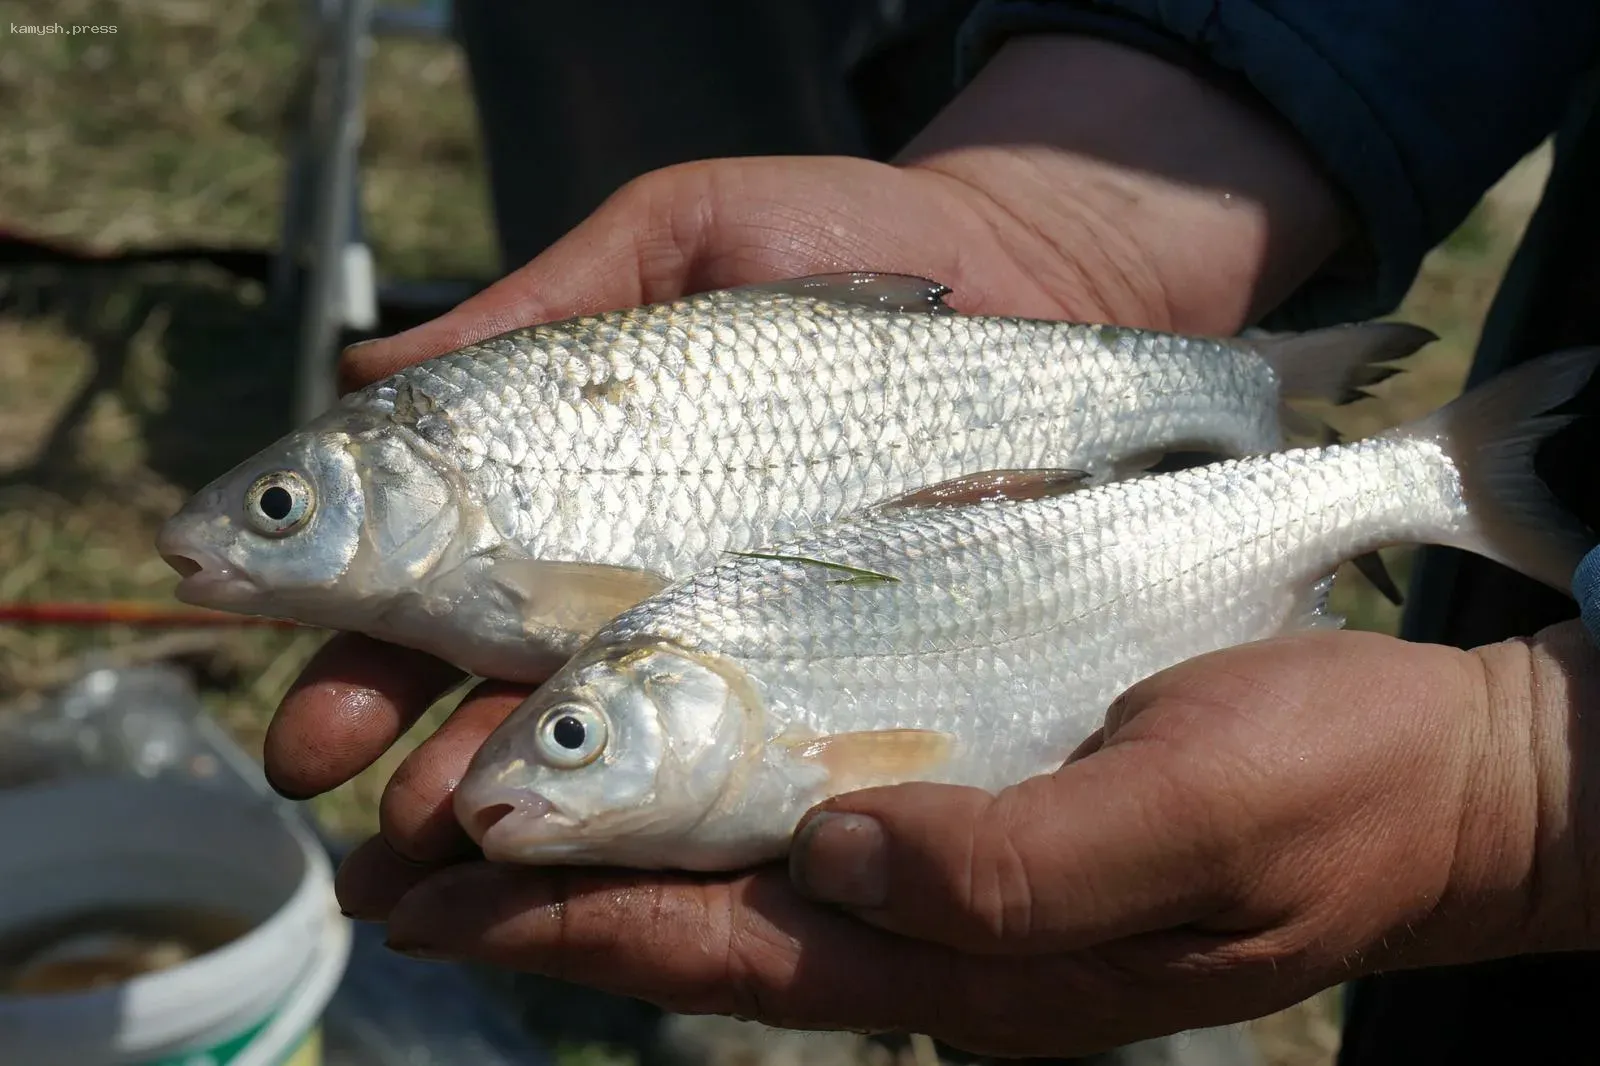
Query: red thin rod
{"points": [[128, 613]]}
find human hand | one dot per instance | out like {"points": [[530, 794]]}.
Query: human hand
{"points": [[1250, 827]]}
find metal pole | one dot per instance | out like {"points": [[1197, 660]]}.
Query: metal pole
{"points": [[342, 55]]}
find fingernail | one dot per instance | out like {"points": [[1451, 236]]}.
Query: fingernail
{"points": [[357, 345], [839, 858]]}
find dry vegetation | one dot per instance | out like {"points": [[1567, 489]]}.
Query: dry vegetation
{"points": [[120, 390]]}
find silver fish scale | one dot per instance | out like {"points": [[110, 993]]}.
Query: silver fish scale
{"points": [[654, 436], [1013, 625]]}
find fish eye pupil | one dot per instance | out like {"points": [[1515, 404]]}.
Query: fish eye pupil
{"points": [[276, 503], [568, 732]]}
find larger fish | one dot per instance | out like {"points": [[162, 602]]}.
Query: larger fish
{"points": [[495, 505], [978, 643]]}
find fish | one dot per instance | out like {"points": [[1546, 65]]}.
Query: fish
{"points": [[495, 505], [978, 639]]}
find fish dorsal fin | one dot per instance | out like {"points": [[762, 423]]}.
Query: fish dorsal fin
{"points": [[876, 292], [1011, 485]]}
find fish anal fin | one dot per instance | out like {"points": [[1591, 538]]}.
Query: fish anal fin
{"points": [[571, 595], [873, 291], [884, 756], [1335, 363], [1014, 485], [1309, 428], [1371, 566]]}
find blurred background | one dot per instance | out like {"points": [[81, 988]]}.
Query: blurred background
{"points": [[130, 377]]}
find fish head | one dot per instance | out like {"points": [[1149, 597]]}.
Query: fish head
{"points": [[614, 760], [285, 521], [322, 526]]}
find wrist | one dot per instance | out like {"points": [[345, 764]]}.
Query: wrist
{"points": [[1113, 175], [1531, 831]]}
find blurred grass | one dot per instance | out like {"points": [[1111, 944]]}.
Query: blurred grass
{"points": [[121, 390]]}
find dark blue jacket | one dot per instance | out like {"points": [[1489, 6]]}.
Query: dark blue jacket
{"points": [[1415, 108]]}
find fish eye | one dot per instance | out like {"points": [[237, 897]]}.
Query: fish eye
{"points": [[572, 735], [278, 503]]}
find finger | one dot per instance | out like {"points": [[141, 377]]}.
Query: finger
{"points": [[351, 702], [415, 814], [1106, 847], [747, 946], [638, 239], [372, 879]]}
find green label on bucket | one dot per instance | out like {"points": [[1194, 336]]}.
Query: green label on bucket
{"points": [[230, 1049], [218, 1054]]}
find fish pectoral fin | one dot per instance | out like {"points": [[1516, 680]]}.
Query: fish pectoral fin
{"points": [[1129, 465], [569, 595], [858, 760], [1014, 485], [876, 292]]}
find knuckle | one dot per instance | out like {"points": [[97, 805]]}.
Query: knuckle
{"points": [[994, 888]]}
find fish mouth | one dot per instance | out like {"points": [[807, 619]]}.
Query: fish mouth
{"points": [[204, 579], [508, 824]]}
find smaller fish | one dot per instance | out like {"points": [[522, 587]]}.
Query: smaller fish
{"points": [[975, 633]]}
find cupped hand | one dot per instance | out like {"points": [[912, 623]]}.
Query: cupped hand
{"points": [[1249, 827]]}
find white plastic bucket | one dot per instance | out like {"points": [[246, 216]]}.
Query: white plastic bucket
{"points": [[88, 844]]}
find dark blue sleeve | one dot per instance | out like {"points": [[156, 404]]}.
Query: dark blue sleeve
{"points": [[1414, 108], [1586, 590]]}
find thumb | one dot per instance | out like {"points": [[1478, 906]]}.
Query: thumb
{"points": [[1111, 845], [637, 246]]}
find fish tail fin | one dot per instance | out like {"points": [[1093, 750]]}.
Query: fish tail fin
{"points": [[1492, 434], [1337, 363]]}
